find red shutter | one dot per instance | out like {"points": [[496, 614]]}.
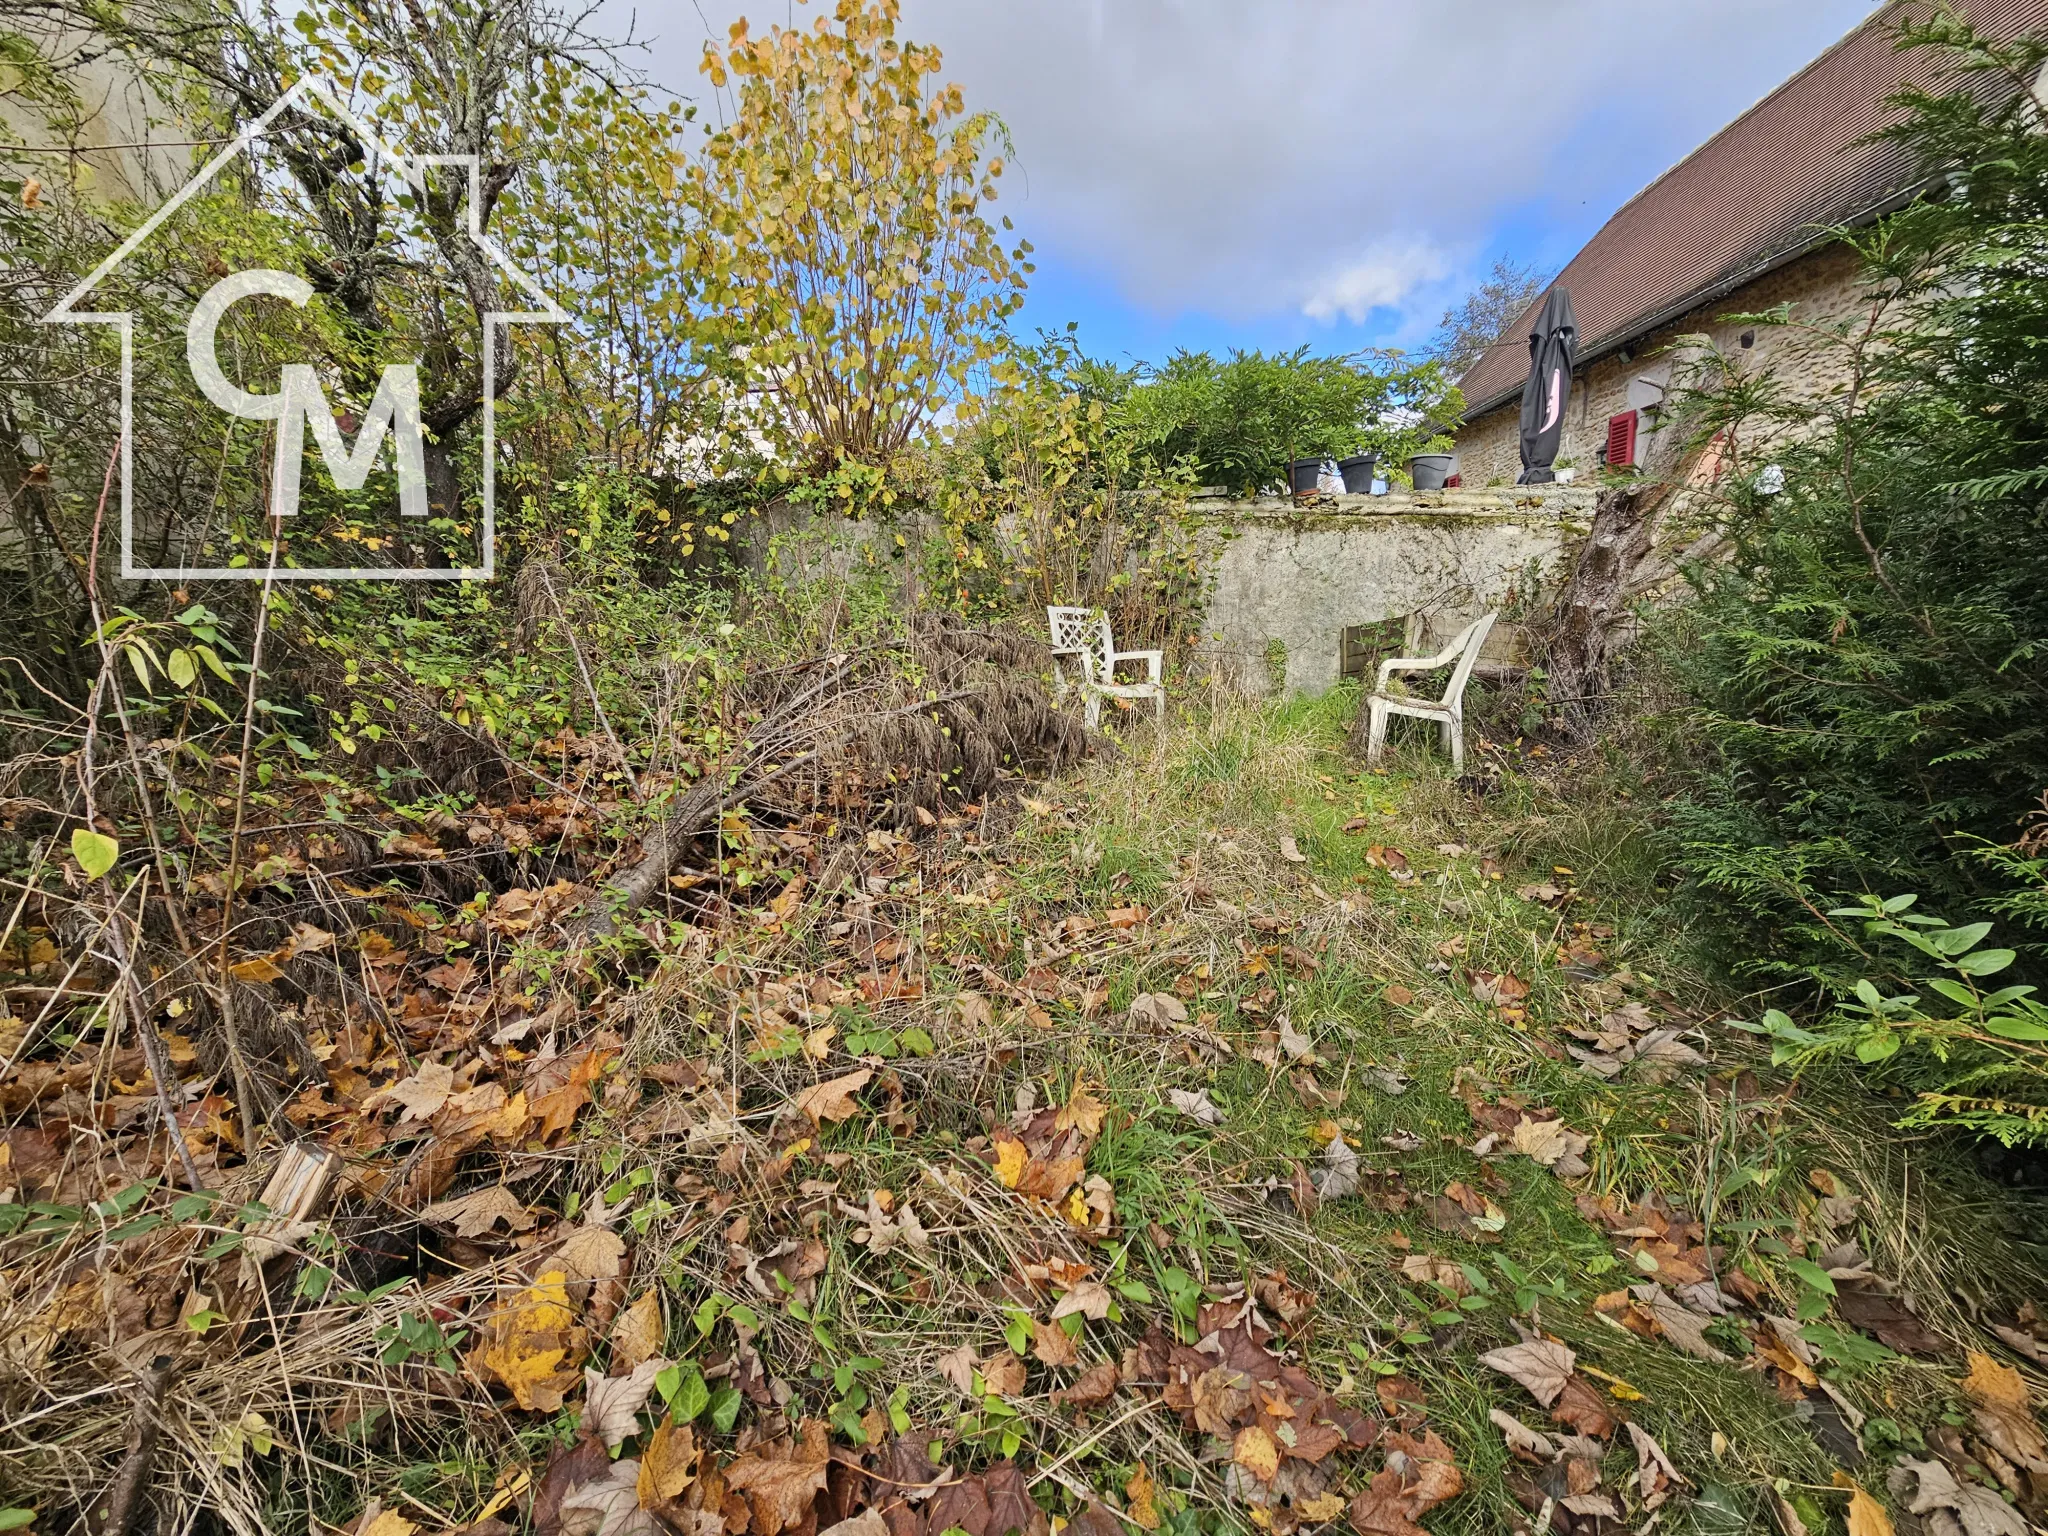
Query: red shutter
{"points": [[1621, 438]]}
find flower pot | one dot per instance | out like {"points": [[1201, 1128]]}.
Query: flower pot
{"points": [[1303, 475], [1358, 473], [1429, 471]]}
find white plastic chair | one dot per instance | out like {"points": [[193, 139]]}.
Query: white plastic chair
{"points": [[1080, 636], [1448, 711]]}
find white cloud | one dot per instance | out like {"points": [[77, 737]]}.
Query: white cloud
{"points": [[1251, 159], [1386, 275]]}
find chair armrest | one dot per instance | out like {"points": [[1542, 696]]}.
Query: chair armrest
{"points": [[1410, 664], [1152, 659]]}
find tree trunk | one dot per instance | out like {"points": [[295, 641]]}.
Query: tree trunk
{"points": [[1604, 582]]}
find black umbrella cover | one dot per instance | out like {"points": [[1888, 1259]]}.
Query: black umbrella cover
{"points": [[1553, 345]]}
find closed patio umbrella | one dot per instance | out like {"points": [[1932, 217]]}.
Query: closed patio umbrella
{"points": [[1552, 345]]}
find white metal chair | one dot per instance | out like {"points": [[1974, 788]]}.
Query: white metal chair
{"points": [[1448, 711], [1081, 638]]}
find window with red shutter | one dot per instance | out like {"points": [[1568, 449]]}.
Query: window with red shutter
{"points": [[1621, 438]]}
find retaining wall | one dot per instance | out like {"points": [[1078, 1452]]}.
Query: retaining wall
{"points": [[1288, 580]]}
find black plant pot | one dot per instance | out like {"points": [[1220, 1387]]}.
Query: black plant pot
{"points": [[1429, 471], [1358, 472], [1303, 475]]}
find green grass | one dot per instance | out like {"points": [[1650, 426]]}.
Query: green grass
{"points": [[1211, 805], [1230, 829]]}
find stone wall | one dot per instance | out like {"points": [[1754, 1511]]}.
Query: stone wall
{"points": [[1288, 580], [1284, 580], [1822, 288]]}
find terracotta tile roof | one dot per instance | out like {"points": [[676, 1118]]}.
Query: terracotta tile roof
{"points": [[1751, 196]]}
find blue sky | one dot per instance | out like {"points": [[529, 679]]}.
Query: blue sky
{"points": [[1264, 173]]}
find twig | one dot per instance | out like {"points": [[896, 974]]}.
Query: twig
{"points": [[547, 581], [245, 1099], [117, 1507]]}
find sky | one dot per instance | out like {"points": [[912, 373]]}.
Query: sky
{"points": [[1209, 174]]}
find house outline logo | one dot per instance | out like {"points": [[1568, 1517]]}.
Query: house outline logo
{"points": [[300, 402]]}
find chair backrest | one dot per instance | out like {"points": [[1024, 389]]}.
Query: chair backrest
{"points": [[1085, 630], [1471, 639]]}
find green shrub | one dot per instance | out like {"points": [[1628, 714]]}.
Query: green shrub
{"points": [[1976, 1059], [1868, 670]]}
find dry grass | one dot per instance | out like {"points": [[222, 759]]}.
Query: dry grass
{"points": [[975, 968]]}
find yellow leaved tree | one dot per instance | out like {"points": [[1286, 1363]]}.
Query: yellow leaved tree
{"points": [[846, 259]]}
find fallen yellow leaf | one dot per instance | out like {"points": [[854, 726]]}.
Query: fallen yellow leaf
{"points": [[1255, 1452], [1138, 1506], [1010, 1160], [1867, 1517], [668, 1465], [532, 1344]]}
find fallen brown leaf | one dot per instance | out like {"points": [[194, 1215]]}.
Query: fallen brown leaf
{"points": [[781, 1480], [834, 1100]]}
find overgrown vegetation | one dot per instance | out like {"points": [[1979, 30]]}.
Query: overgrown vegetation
{"points": [[692, 1035], [1866, 659]]}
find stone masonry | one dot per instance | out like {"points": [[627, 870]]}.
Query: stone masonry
{"points": [[1823, 289], [1288, 580]]}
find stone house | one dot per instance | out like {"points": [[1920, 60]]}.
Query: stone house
{"points": [[1740, 226]]}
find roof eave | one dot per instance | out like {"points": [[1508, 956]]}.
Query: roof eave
{"points": [[1720, 288]]}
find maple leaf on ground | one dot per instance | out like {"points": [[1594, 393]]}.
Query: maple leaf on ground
{"points": [[532, 1344], [608, 1505], [782, 1480], [1864, 1305], [474, 1214], [1683, 1327], [1160, 1010], [307, 939], [1866, 1517], [668, 1464], [1553, 1144], [1976, 1509], [1094, 1386], [560, 1089], [1254, 1450], [1138, 1506], [1524, 1443], [1290, 1303], [1196, 1105], [2003, 1412], [1502, 989], [958, 1367], [1337, 1175], [1090, 1298], [1656, 1478], [1541, 1366], [422, 1094], [1581, 1407], [1052, 1345], [1083, 1112], [612, 1404], [1428, 1474], [637, 1334], [1388, 1506], [1003, 1374], [592, 1253], [834, 1100]]}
